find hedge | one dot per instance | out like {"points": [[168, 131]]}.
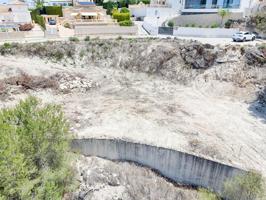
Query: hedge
{"points": [[40, 21], [54, 10], [124, 10], [121, 16], [34, 14], [126, 23]]}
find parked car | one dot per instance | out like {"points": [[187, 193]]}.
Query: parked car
{"points": [[52, 22], [243, 36]]}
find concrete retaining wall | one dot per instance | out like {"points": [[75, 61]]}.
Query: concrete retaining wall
{"points": [[205, 32], [177, 166], [108, 30], [204, 19]]}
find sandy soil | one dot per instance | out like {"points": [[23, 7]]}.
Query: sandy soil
{"points": [[212, 119]]}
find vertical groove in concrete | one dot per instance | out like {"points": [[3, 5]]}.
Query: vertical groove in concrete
{"points": [[178, 166]]}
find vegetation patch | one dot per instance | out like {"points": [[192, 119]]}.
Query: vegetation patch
{"points": [[249, 186], [34, 145]]}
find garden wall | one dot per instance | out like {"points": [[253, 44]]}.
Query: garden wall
{"points": [[81, 30], [178, 166]]}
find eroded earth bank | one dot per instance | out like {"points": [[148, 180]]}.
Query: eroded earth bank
{"points": [[201, 99]]}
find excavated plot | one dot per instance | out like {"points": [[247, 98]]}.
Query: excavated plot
{"points": [[206, 119]]}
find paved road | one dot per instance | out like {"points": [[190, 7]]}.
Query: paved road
{"points": [[142, 34]]}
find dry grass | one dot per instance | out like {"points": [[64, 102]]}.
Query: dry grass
{"points": [[32, 82]]}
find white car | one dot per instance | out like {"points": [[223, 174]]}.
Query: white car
{"points": [[243, 36]]}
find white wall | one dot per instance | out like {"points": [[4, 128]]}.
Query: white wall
{"points": [[150, 28], [138, 11], [204, 32]]}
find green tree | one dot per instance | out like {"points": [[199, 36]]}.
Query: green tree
{"points": [[223, 13], [39, 4], [33, 151]]}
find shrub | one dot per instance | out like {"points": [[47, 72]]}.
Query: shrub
{"points": [[132, 2], [124, 10], [187, 25], [7, 45], [33, 144], [228, 24], [121, 16], [54, 10], [40, 21], [109, 6], [145, 1], [170, 24], [207, 195], [200, 26], [193, 25], [214, 25], [87, 38], [73, 39], [67, 25], [122, 3], [246, 186], [260, 19], [126, 23], [25, 27]]}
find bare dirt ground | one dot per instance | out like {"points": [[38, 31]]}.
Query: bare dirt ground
{"points": [[104, 179], [151, 96]]}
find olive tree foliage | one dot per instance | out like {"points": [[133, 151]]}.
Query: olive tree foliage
{"points": [[249, 186], [223, 13], [33, 152]]}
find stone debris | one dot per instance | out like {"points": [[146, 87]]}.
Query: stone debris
{"points": [[69, 82], [200, 56]]}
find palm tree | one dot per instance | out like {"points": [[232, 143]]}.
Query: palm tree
{"points": [[223, 13]]}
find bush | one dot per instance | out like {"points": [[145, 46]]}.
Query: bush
{"points": [[73, 39], [170, 24], [40, 21], [145, 1], [126, 23], [214, 25], [33, 144], [67, 25], [122, 3], [54, 10], [87, 38], [260, 19], [187, 25], [193, 25], [228, 24], [207, 195], [246, 186], [121, 16], [124, 10], [109, 6]]}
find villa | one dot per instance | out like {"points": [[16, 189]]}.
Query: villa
{"points": [[14, 13]]}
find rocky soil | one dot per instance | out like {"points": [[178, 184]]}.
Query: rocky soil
{"points": [[103, 179], [202, 99]]}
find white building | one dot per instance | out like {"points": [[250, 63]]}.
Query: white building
{"points": [[14, 12]]}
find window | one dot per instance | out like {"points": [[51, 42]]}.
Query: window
{"points": [[231, 4], [195, 4]]}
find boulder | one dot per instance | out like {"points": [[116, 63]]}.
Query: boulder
{"points": [[199, 56]]}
